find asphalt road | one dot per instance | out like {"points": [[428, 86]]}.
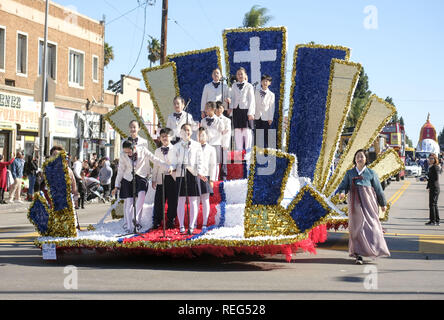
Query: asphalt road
{"points": [[415, 269]]}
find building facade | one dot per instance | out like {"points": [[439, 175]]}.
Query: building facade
{"points": [[75, 72]]}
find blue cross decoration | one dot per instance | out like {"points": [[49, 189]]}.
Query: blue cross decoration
{"points": [[194, 70], [260, 51], [308, 100]]}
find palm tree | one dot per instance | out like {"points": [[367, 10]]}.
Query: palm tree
{"points": [[108, 55], [256, 17], [153, 50]]}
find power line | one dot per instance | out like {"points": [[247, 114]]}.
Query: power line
{"points": [[149, 2], [123, 14], [143, 38]]}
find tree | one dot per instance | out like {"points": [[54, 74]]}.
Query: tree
{"points": [[108, 55], [395, 117], [256, 17], [153, 51], [360, 99]]}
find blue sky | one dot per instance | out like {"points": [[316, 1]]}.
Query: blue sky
{"points": [[399, 43]]}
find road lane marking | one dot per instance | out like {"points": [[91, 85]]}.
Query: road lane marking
{"points": [[22, 239], [398, 193]]}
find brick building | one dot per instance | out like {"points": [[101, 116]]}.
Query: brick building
{"points": [[75, 76]]}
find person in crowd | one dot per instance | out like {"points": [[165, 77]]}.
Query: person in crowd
{"points": [[105, 175], [242, 106], [433, 187], [187, 161], [264, 114], [30, 170], [77, 171], [180, 117], [94, 172], [114, 167], [17, 167], [365, 195], [164, 183], [217, 90], [4, 176]]}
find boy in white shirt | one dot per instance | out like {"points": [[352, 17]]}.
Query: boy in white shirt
{"points": [[164, 191], [242, 107], [263, 118]]}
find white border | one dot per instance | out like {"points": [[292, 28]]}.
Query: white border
{"points": [[56, 55], [4, 49], [73, 84], [16, 53]]}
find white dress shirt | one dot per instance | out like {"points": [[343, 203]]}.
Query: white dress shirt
{"points": [[77, 169], [189, 154], [140, 142], [226, 137], [209, 162], [210, 93], [176, 124], [142, 165], [158, 170], [264, 106], [214, 130], [243, 98]]}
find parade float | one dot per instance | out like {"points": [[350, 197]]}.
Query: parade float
{"points": [[428, 142], [275, 201]]}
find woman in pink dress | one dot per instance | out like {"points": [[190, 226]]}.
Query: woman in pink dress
{"points": [[4, 177]]}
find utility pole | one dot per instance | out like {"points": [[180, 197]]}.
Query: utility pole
{"points": [[163, 45], [42, 108]]}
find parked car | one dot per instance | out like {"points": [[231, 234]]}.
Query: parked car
{"points": [[412, 169]]}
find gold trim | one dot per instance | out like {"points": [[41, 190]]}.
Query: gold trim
{"points": [[137, 117], [61, 223], [320, 177], [335, 180], [278, 210], [293, 77], [383, 156], [150, 90]]}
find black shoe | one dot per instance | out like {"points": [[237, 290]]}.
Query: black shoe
{"points": [[359, 260], [437, 223], [430, 223]]}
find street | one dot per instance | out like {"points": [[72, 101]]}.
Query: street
{"points": [[415, 269]]}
